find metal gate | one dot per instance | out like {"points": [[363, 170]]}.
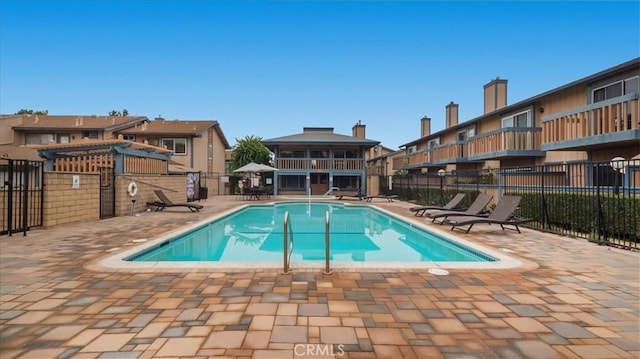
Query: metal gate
{"points": [[107, 192], [21, 195]]}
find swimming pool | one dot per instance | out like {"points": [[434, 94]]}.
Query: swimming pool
{"points": [[361, 236]]}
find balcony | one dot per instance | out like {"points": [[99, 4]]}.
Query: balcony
{"points": [[611, 122], [453, 152], [320, 164], [505, 143]]}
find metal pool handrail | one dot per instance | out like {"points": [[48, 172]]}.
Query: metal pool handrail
{"points": [[287, 245], [327, 270]]}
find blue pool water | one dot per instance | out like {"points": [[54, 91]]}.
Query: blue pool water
{"points": [[358, 234]]}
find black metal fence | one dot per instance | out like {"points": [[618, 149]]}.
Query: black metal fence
{"points": [[21, 195], [597, 201]]}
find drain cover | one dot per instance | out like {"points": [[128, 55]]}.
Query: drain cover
{"points": [[438, 271]]}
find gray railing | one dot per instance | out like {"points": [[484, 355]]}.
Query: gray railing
{"points": [[287, 245]]}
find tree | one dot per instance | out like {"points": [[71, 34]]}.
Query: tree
{"points": [[118, 113], [32, 112], [249, 149]]}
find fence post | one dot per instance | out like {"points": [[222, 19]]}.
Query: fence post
{"points": [[545, 209]]}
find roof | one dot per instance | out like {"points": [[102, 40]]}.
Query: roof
{"points": [[14, 152], [176, 127], [531, 100], [81, 122], [323, 136], [91, 145]]}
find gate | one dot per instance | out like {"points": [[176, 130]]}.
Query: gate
{"points": [[107, 192], [21, 194]]}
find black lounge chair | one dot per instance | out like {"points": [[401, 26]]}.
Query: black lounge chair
{"points": [[455, 201], [389, 198], [502, 215], [359, 195], [474, 209], [165, 202]]}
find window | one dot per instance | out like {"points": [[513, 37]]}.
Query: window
{"points": [[433, 143], [292, 182], [65, 138], [346, 182], [177, 145], [345, 154], [616, 89], [90, 134], [129, 137], [522, 119], [412, 149], [292, 154], [39, 138], [466, 133], [319, 154]]}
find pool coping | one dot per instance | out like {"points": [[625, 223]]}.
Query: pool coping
{"points": [[116, 261]]}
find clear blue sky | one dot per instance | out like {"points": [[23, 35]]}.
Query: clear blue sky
{"points": [[271, 68]]}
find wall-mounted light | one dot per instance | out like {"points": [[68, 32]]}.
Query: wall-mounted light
{"points": [[541, 109]]}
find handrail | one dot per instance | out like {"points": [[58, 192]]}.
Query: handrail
{"points": [[327, 253], [287, 245]]}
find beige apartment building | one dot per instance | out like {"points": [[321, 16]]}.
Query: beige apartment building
{"points": [[595, 118]]}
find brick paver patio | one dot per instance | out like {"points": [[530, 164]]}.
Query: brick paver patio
{"points": [[576, 300]]}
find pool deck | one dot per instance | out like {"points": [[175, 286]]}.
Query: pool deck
{"points": [[570, 299]]}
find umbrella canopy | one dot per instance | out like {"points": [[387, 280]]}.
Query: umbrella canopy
{"points": [[255, 167]]}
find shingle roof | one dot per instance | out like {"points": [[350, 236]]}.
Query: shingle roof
{"points": [[14, 152], [320, 137], [176, 127], [61, 122], [165, 127]]}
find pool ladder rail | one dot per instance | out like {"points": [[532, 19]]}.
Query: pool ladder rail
{"points": [[288, 244]]}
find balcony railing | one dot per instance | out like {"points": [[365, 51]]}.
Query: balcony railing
{"points": [[449, 152], [612, 116], [503, 142], [333, 164]]}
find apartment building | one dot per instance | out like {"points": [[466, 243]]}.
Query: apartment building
{"points": [[25, 130], [595, 118], [198, 146], [319, 159]]}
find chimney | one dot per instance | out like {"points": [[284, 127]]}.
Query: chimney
{"points": [[425, 126], [495, 95], [452, 114], [358, 130]]}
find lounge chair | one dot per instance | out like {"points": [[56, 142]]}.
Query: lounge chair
{"points": [[389, 198], [474, 209], [165, 202], [502, 215], [359, 195], [455, 201]]}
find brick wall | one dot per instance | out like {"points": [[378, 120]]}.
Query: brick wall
{"points": [[64, 204], [175, 187]]}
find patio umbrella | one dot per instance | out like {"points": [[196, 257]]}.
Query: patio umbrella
{"points": [[253, 167]]}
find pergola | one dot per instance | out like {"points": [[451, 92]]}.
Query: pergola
{"points": [[91, 155]]}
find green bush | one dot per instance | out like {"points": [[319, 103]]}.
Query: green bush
{"points": [[620, 216]]}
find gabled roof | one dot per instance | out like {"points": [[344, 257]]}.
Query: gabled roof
{"points": [[76, 122], [162, 127], [319, 136]]}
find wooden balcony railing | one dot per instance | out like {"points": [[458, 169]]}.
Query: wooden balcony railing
{"points": [[615, 115], [320, 164], [449, 152], [506, 139], [400, 162]]}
